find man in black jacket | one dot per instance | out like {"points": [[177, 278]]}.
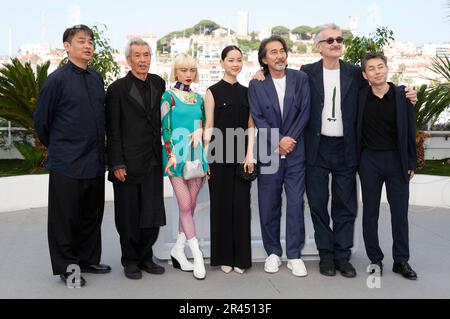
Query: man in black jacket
{"points": [[387, 144], [70, 122], [134, 150]]}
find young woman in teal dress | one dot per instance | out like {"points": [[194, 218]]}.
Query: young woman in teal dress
{"points": [[183, 118]]}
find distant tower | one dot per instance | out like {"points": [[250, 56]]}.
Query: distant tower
{"points": [[353, 25], [242, 25]]}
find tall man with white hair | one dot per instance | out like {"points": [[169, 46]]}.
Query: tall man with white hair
{"points": [[133, 127], [331, 148]]}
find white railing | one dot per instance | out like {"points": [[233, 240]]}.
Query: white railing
{"points": [[10, 131]]}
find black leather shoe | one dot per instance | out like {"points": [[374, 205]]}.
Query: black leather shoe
{"points": [[132, 272], [405, 270], [65, 278], [327, 268], [96, 269], [346, 268], [376, 267], [152, 268]]}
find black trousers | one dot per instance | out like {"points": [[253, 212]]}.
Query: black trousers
{"points": [[75, 214], [136, 240], [333, 243], [230, 218], [378, 168]]}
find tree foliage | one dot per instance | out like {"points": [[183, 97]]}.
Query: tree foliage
{"points": [[358, 47], [280, 31], [19, 90], [435, 98]]}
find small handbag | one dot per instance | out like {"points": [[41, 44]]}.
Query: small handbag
{"points": [[193, 169], [246, 176]]}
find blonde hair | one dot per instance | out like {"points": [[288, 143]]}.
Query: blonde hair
{"points": [[183, 61]]}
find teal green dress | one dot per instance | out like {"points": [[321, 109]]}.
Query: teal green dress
{"points": [[182, 113]]}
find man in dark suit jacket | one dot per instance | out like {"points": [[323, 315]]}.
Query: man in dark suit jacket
{"points": [[133, 129], [331, 149], [280, 107], [70, 122], [387, 144]]}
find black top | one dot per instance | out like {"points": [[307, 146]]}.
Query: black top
{"points": [[70, 122], [144, 89], [380, 122], [231, 111]]}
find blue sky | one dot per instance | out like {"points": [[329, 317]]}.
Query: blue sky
{"points": [[414, 20]]}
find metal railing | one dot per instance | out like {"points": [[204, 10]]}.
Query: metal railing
{"points": [[10, 131]]}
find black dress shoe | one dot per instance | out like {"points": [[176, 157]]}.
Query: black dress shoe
{"points": [[405, 270], [376, 267], [327, 268], [346, 268], [96, 269], [132, 272], [152, 268], [72, 284]]}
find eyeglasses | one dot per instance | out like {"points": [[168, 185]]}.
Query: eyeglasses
{"points": [[331, 40]]}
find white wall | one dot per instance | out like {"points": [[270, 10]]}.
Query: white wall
{"points": [[25, 192]]}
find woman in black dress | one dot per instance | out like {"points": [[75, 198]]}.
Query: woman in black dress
{"points": [[227, 109]]}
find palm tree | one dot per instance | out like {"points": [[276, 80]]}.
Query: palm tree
{"points": [[19, 90], [432, 101]]}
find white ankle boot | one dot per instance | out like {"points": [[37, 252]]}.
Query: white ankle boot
{"points": [[199, 265], [178, 256]]}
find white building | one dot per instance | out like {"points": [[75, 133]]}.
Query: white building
{"points": [[179, 45], [443, 50], [242, 24], [264, 33], [35, 49], [353, 25]]}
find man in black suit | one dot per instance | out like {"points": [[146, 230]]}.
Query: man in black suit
{"points": [[70, 122], [387, 145], [134, 150]]}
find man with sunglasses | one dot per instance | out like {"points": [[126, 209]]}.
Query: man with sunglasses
{"points": [[70, 122], [331, 148]]}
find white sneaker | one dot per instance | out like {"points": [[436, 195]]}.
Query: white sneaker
{"points": [[273, 263], [239, 270], [226, 269], [298, 267]]}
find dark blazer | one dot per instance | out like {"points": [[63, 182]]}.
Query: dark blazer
{"points": [[133, 130], [351, 82], [265, 109], [406, 128]]}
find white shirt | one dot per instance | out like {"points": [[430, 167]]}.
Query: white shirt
{"points": [[280, 86], [332, 113]]}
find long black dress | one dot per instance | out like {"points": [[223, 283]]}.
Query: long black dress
{"points": [[229, 196]]}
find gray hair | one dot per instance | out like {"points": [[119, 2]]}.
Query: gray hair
{"points": [[135, 41], [329, 26]]}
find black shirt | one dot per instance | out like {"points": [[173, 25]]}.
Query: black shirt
{"points": [[70, 122], [231, 111], [144, 89], [380, 122]]}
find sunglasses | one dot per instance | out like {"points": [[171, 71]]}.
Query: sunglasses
{"points": [[331, 40]]}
